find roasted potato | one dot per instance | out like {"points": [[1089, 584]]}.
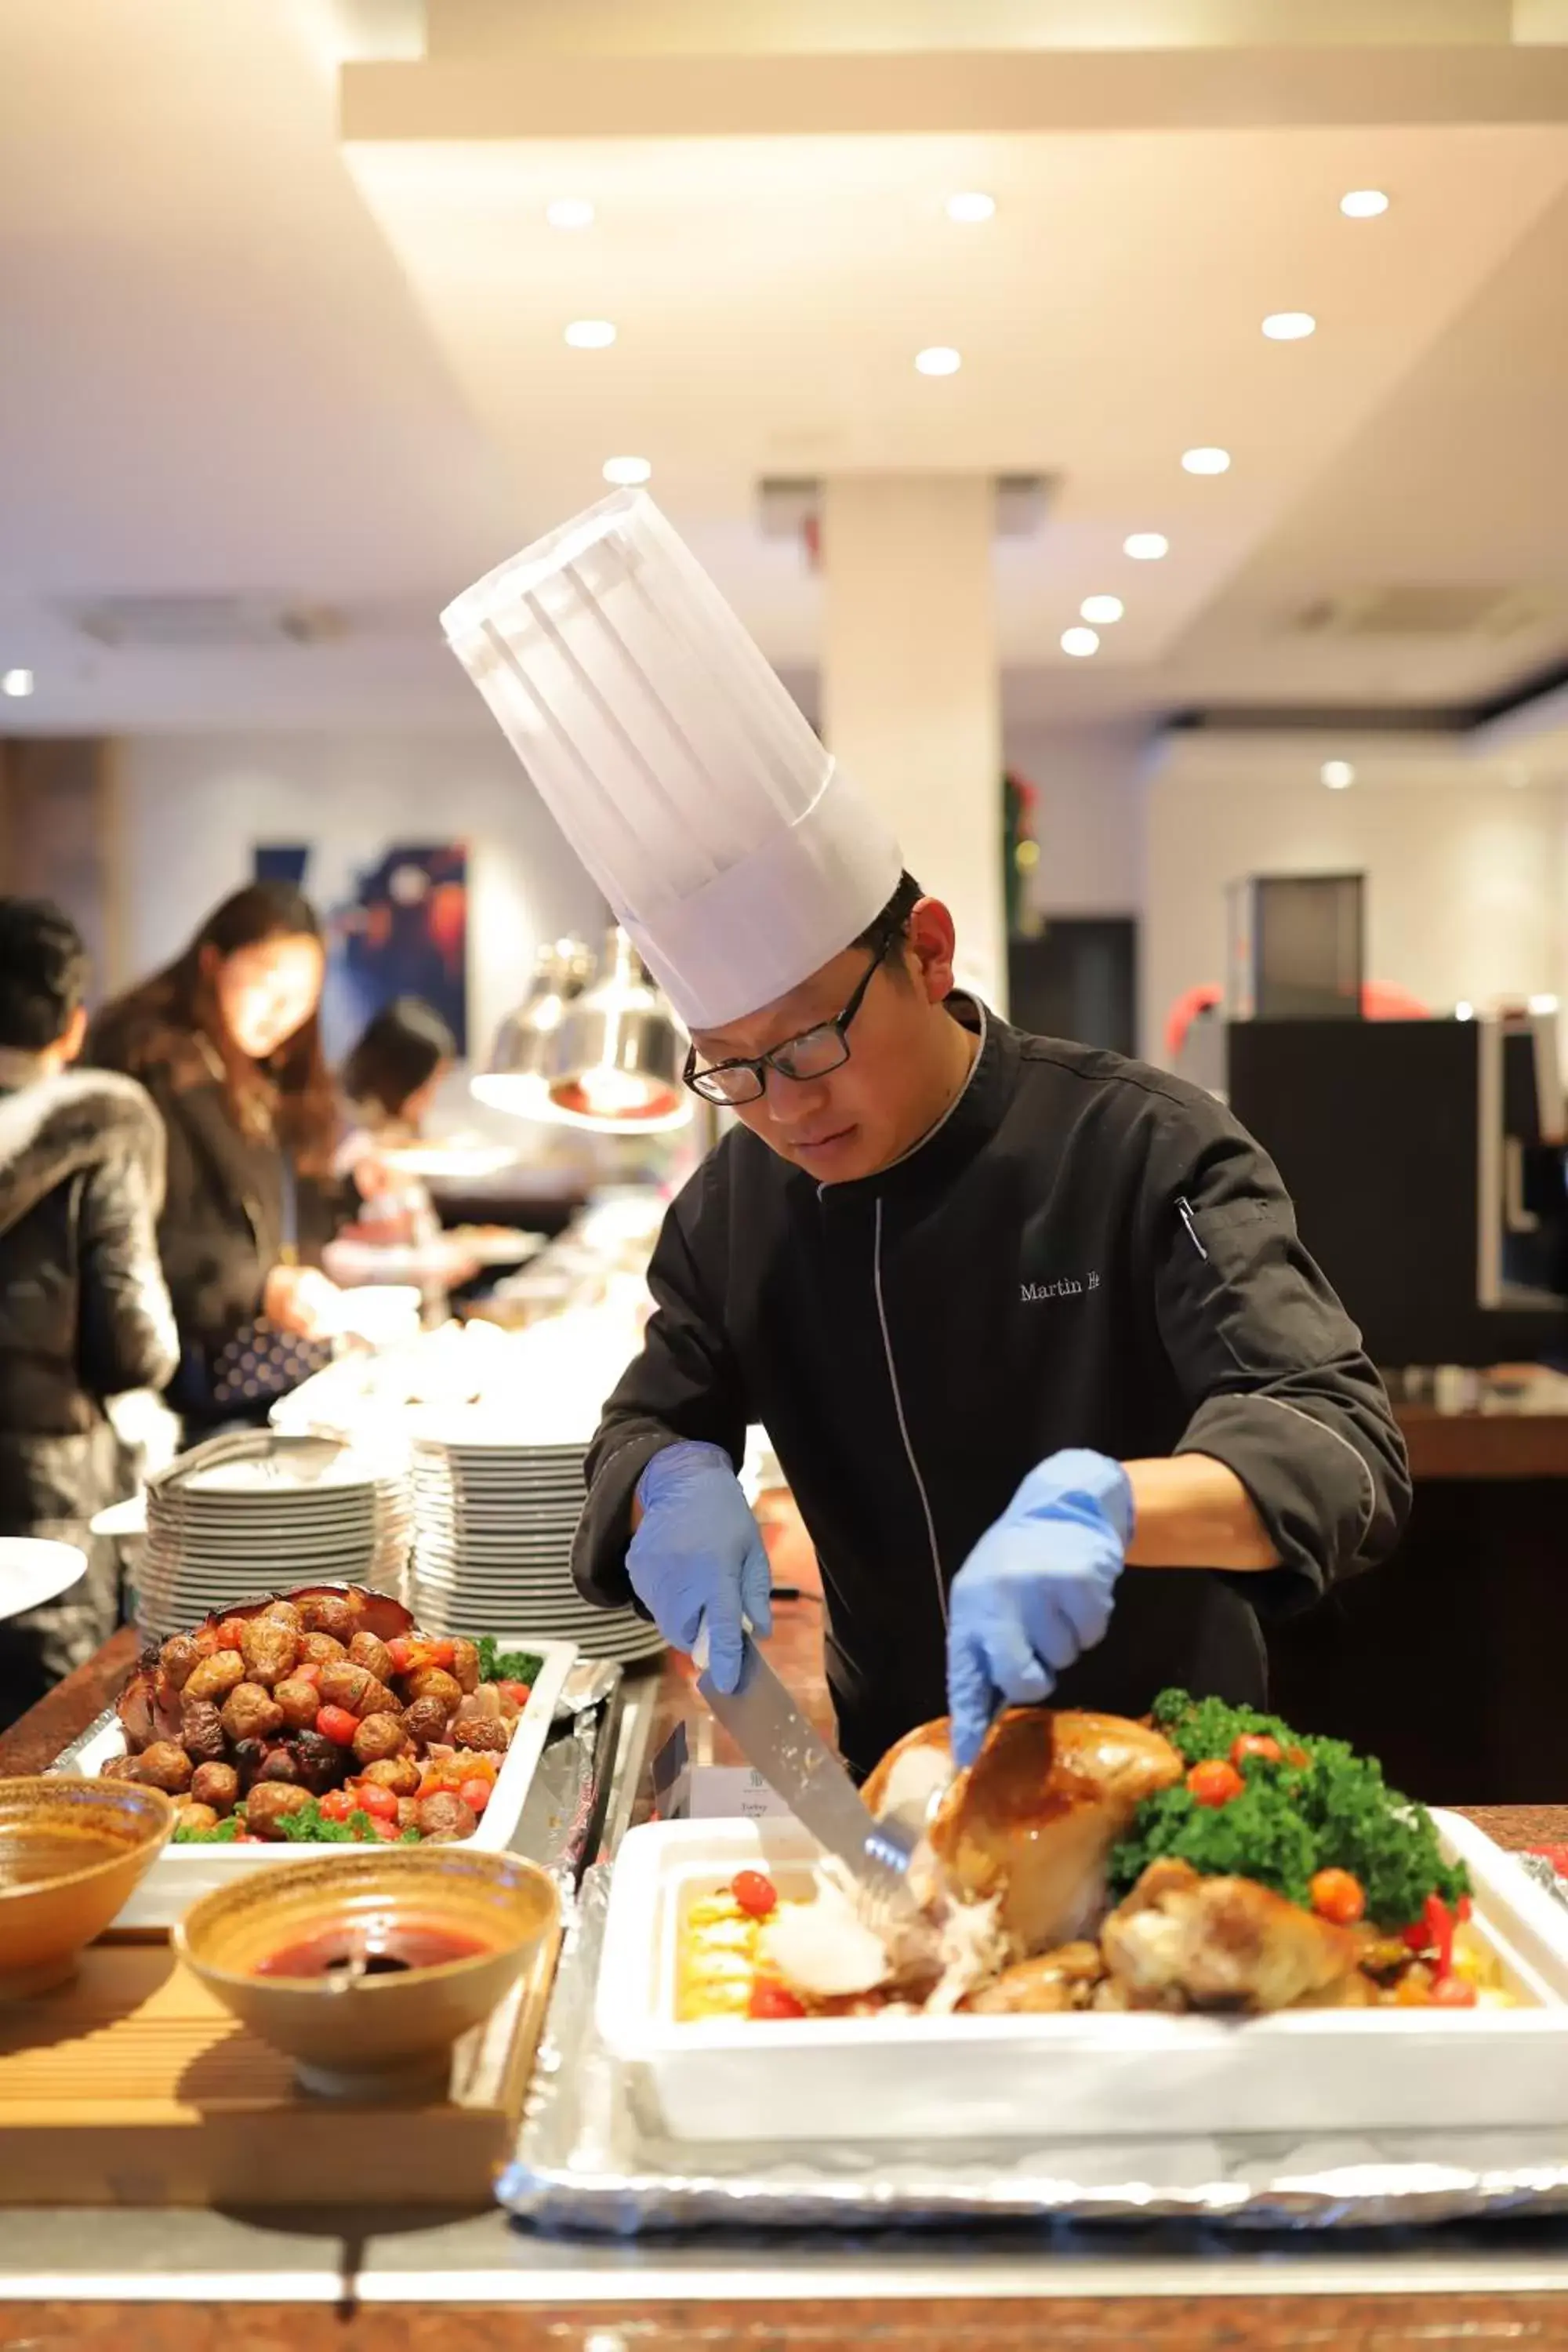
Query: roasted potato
{"points": [[321, 1650], [280, 1763], [215, 1676], [466, 1665], [179, 1658], [366, 1651], [425, 1721], [300, 1703], [165, 1766], [345, 1685], [268, 1803], [434, 1682], [283, 1613], [270, 1651], [217, 1785], [324, 1765], [328, 1612], [407, 1814], [398, 1774], [121, 1767], [484, 1732], [379, 1737], [202, 1732], [444, 1816], [251, 1713], [191, 1816]]}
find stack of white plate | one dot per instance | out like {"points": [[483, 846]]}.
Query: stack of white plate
{"points": [[260, 1513], [492, 1549]]}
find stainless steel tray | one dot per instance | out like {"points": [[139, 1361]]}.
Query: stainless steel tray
{"points": [[585, 2161]]}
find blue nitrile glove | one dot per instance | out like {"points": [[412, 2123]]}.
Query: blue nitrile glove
{"points": [[1035, 1592], [698, 1559]]}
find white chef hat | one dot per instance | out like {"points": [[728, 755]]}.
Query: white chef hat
{"points": [[737, 855]]}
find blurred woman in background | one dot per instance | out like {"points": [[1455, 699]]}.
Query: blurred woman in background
{"points": [[389, 1083], [228, 1042]]}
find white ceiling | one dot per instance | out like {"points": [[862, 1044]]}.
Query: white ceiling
{"points": [[238, 356]]}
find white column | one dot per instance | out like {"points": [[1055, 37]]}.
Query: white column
{"points": [[911, 698]]}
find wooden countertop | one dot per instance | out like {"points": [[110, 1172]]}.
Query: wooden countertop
{"points": [[1505, 1443], [663, 2320]]}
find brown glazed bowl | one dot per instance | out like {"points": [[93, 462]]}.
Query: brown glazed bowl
{"points": [[366, 2033], [71, 1853]]}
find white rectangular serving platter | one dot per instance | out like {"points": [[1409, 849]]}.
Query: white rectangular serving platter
{"points": [[1086, 2074], [183, 1872]]}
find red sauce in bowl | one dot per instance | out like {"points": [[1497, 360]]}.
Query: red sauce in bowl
{"points": [[377, 1947]]}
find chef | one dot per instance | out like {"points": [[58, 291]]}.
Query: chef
{"points": [[1064, 1404]]}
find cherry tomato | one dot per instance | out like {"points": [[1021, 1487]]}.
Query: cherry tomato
{"points": [[769, 1998], [401, 1653], [475, 1794], [1337, 1897], [231, 1634], [1454, 1992], [372, 1799], [755, 1895], [442, 1653], [1298, 1757], [337, 1805], [1215, 1782], [1258, 1744], [336, 1724], [518, 1693], [387, 1831], [306, 1673]]}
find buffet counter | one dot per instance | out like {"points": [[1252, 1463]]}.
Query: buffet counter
{"points": [[162, 2278]]}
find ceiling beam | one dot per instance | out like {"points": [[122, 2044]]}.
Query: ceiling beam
{"points": [[944, 92]]}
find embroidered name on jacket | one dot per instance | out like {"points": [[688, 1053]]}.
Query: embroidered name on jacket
{"points": [[1067, 1287]]}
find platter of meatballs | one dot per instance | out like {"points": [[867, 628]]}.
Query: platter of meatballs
{"points": [[323, 1717]]}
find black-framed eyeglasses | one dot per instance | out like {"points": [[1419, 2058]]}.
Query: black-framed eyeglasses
{"points": [[812, 1054]]}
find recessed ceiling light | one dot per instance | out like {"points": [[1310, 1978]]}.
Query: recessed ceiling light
{"points": [[590, 334], [1146, 546], [941, 359], [1102, 609], [1338, 774], [1289, 326], [1363, 204], [1205, 461], [569, 212], [970, 204], [1080, 642], [17, 682], [627, 473]]}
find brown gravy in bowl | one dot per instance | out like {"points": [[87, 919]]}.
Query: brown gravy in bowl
{"points": [[33, 1857]]}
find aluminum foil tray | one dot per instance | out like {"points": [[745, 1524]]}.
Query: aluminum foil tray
{"points": [[586, 2163]]}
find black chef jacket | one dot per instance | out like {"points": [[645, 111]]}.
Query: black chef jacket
{"points": [[1084, 1252]]}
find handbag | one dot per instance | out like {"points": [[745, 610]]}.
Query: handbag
{"points": [[262, 1361]]}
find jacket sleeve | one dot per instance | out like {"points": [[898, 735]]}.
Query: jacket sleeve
{"points": [[1271, 1368], [684, 1384], [128, 1338]]}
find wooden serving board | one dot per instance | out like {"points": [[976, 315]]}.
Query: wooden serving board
{"points": [[133, 2087]]}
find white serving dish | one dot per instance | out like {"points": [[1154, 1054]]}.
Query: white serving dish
{"points": [[183, 1872], [1085, 2075]]}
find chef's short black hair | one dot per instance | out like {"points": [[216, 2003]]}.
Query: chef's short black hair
{"points": [[893, 923], [43, 973]]}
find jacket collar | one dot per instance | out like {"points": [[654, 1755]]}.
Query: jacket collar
{"points": [[968, 1124]]}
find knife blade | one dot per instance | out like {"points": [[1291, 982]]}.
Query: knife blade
{"points": [[797, 1763]]}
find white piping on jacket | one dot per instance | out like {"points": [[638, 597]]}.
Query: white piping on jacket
{"points": [[903, 1424]]}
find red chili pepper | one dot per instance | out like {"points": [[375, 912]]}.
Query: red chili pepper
{"points": [[1439, 1922]]}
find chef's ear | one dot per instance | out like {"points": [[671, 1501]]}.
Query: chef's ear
{"points": [[930, 947]]}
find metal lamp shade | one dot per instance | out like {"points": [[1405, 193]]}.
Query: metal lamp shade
{"points": [[614, 1062], [517, 1078]]}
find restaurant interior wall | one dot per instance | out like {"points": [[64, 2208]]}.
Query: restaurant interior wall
{"points": [[192, 808], [1466, 871]]}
